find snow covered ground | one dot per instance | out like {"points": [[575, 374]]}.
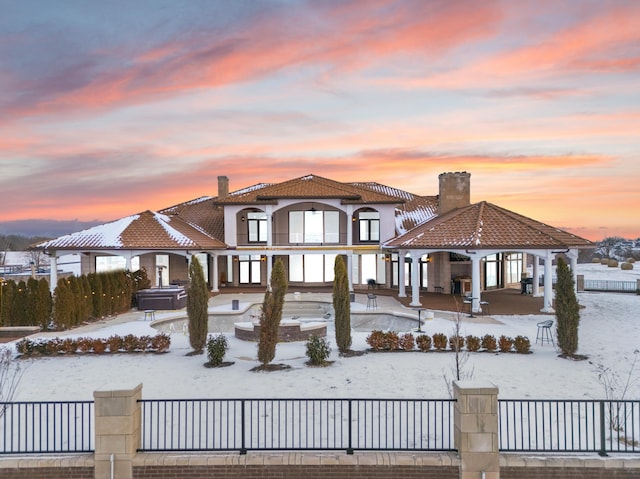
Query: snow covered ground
{"points": [[609, 334]]}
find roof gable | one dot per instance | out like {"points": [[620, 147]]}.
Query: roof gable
{"points": [[310, 187], [486, 226], [146, 230]]}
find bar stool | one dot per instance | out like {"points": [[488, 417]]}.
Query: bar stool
{"points": [[150, 314], [544, 332], [484, 308], [372, 301]]}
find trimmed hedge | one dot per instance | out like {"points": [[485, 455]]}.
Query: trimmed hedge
{"points": [[392, 341], [114, 344]]}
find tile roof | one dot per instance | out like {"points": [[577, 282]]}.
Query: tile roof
{"points": [[202, 212], [309, 187], [146, 230], [486, 226]]}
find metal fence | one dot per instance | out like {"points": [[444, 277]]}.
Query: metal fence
{"points": [[600, 426], [569, 426], [610, 286], [46, 427], [297, 424]]}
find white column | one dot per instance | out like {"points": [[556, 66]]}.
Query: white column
{"points": [[415, 286], [269, 259], [214, 274], [269, 211], [127, 261], [402, 293], [548, 283], [349, 225], [350, 270], [53, 272], [535, 291], [573, 263], [475, 283]]}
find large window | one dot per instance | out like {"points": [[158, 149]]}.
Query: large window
{"points": [[493, 271], [314, 227], [257, 224], [114, 263], [514, 267], [249, 266], [369, 222], [311, 268]]}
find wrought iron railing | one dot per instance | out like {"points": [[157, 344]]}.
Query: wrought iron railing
{"points": [[569, 426], [600, 426], [297, 424], [610, 285], [46, 427]]}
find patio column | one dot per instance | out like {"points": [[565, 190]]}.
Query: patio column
{"points": [[573, 264], [415, 286], [269, 211], [269, 268], [350, 270], [53, 272], [535, 291], [548, 283], [402, 292], [214, 273], [349, 225], [475, 283]]}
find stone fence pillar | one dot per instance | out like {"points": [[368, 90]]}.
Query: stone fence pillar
{"points": [[476, 429], [117, 422]]}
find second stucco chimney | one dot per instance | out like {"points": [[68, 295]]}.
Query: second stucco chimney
{"points": [[455, 191], [223, 186]]}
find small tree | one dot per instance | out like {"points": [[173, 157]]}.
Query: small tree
{"points": [[342, 306], [10, 374], [63, 306], [197, 304], [567, 310], [272, 314]]}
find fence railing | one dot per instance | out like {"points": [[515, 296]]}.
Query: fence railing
{"points": [[610, 285], [46, 427], [600, 426], [297, 424], [569, 426]]}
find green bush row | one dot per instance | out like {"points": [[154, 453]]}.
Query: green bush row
{"points": [[393, 341], [113, 344]]}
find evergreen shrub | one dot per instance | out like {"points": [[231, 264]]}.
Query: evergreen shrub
{"points": [[217, 347], [318, 351]]}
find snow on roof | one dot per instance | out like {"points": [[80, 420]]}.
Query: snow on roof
{"points": [[107, 235], [174, 234]]}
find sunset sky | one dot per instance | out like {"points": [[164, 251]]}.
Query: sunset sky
{"points": [[109, 108]]}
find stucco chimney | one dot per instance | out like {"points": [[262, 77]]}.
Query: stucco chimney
{"points": [[455, 191], [223, 186]]}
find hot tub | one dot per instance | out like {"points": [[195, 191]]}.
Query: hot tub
{"points": [[174, 297]]}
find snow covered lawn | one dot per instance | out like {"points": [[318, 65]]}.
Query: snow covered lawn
{"points": [[609, 335]]}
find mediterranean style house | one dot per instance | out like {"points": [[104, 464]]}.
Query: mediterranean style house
{"points": [[389, 238]]}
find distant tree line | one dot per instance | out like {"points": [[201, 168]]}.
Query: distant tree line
{"points": [[612, 247], [19, 242], [76, 299]]}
